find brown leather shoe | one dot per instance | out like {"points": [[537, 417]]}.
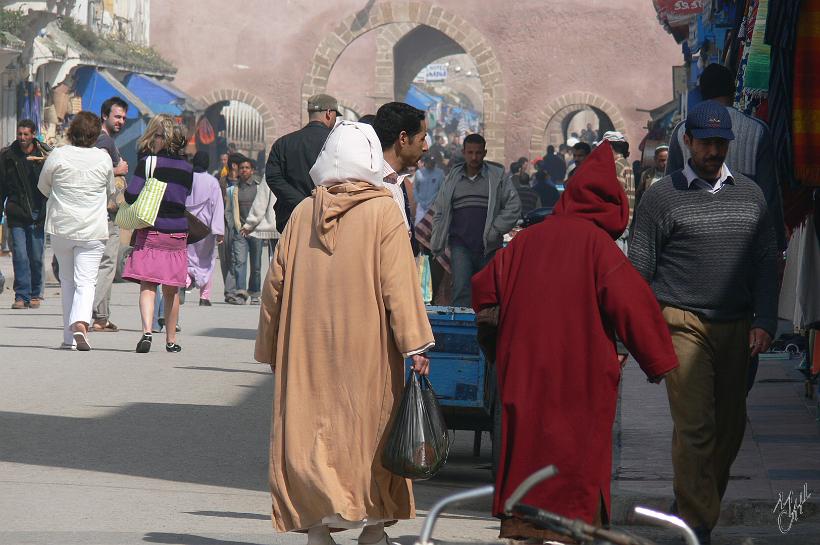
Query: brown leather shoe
{"points": [[35, 302], [104, 325], [19, 304]]}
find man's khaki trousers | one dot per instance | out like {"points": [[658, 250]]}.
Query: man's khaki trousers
{"points": [[707, 396]]}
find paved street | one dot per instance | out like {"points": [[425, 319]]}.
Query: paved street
{"points": [[113, 448]]}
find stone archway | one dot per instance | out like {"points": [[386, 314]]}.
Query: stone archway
{"points": [[421, 13], [222, 95], [563, 107]]}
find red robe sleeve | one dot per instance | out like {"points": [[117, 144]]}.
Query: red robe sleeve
{"points": [[628, 303]]}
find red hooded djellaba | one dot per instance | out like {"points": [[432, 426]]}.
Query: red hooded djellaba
{"points": [[565, 291]]}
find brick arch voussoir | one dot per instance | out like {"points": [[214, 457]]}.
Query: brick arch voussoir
{"points": [[417, 13], [564, 105], [351, 105]]}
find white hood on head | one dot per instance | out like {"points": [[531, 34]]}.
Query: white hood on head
{"points": [[352, 153]]}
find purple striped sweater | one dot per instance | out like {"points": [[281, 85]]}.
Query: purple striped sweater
{"points": [[179, 175]]}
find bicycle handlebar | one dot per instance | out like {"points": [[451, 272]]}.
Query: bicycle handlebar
{"points": [[576, 529], [671, 521], [430, 522], [519, 493]]}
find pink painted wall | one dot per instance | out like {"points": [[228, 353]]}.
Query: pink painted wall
{"points": [[546, 48]]}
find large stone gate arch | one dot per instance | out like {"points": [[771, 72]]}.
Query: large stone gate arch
{"points": [[564, 106], [220, 95], [421, 13]]}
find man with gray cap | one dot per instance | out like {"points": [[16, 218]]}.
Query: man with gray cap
{"points": [[293, 155], [705, 242]]}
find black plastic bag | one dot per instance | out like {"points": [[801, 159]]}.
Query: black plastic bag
{"points": [[418, 443]]}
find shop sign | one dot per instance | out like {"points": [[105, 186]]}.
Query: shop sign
{"points": [[437, 72], [677, 8]]}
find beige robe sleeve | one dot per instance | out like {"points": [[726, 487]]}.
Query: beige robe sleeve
{"points": [[271, 305], [401, 291]]}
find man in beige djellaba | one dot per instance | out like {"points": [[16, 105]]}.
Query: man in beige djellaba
{"points": [[341, 309]]}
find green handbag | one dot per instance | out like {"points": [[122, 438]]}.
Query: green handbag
{"points": [[143, 213]]}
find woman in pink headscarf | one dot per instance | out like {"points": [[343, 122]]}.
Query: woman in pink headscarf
{"points": [[205, 202]]}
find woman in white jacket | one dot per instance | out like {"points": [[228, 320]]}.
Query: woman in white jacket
{"points": [[78, 179]]}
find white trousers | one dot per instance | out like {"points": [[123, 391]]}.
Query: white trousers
{"points": [[79, 262]]}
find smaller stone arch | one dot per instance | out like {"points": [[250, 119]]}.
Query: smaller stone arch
{"points": [[220, 95], [564, 106], [352, 106]]}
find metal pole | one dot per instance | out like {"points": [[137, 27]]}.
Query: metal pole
{"points": [[430, 522]]}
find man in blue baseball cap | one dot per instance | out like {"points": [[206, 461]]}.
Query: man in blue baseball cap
{"points": [[705, 242], [750, 153]]}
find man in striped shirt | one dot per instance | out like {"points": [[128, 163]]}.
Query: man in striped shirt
{"points": [[750, 153]]}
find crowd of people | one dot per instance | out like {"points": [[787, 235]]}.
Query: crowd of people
{"points": [[679, 270]]}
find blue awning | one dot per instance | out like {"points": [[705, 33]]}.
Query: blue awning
{"points": [[161, 96], [95, 86], [419, 99], [158, 99]]}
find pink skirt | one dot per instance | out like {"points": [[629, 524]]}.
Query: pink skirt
{"points": [[160, 258]]}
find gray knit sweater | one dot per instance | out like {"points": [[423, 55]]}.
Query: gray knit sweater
{"points": [[750, 154], [712, 254]]}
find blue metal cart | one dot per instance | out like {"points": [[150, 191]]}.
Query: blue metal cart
{"points": [[459, 372]]}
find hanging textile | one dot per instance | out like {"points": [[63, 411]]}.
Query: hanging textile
{"points": [[744, 40], [205, 131], [799, 297], [796, 205], [806, 94], [758, 67], [781, 35], [25, 96], [755, 64], [37, 108]]}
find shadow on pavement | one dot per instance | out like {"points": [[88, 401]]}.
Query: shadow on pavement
{"points": [[229, 514], [30, 312], [30, 346], [189, 539], [210, 445], [34, 327], [223, 370], [58, 349], [229, 333], [204, 444]]}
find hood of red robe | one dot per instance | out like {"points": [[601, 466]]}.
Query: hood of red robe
{"points": [[330, 204], [595, 194]]}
